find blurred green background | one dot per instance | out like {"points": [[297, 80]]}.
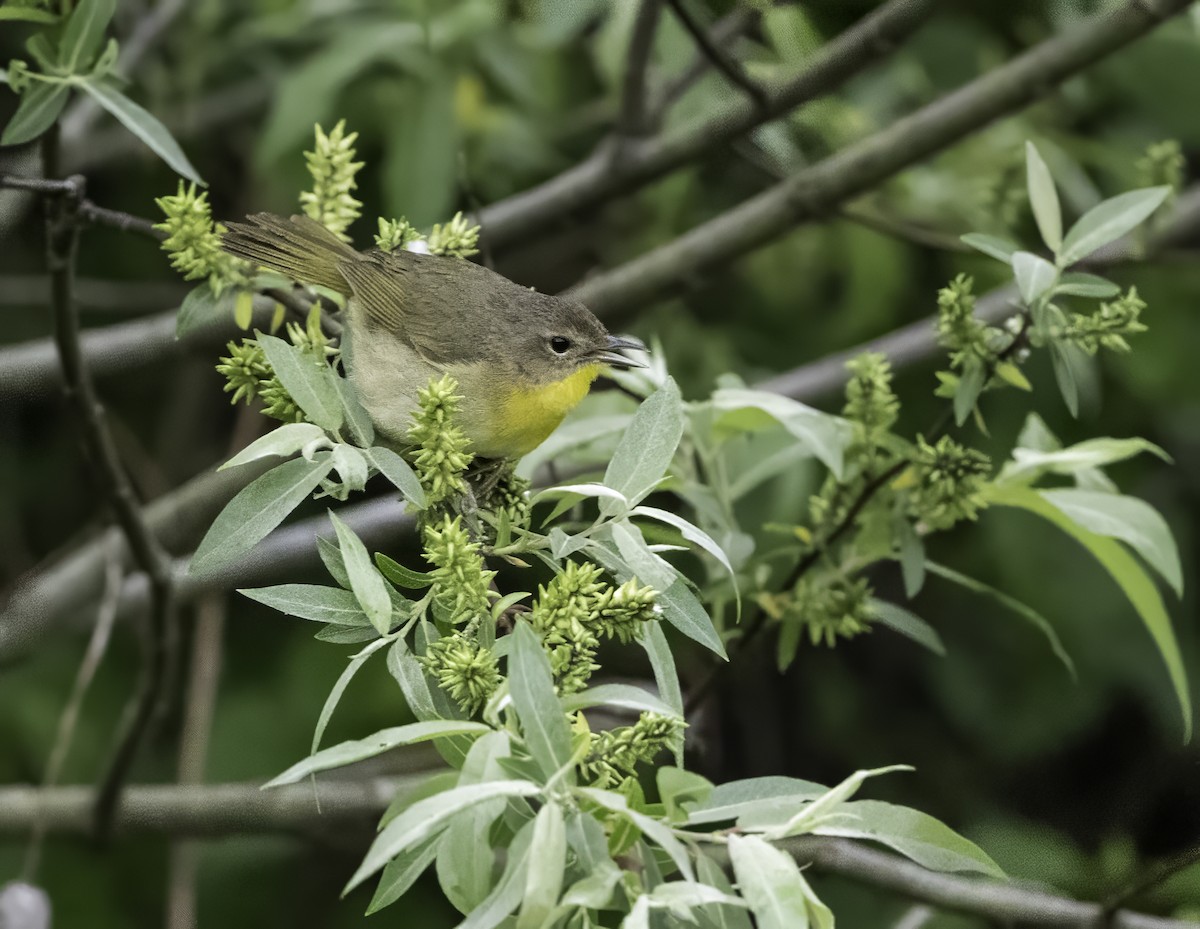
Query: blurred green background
{"points": [[461, 102]]}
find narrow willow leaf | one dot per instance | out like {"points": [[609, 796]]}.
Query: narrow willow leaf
{"points": [[311, 601], [648, 446], [143, 125], [365, 580], [344, 753], [202, 308], [991, 245], [1010, 373], [401, 873], [1135, 522], [680, 897], [40, 106], [335, 693], [753, 797], [1064, 358], [331, 557], [547, 865], [84, 34], [429, 817], [1110, 220], [691, 532], [770, 882], [506, 895], [966, 395], [1035, 275], [1030, 463], [358, 422], [400, 473], [723, 917], [282, 442], [916, 835], [531, 684], [666, 678], [1134, 582], [655, 830], [27, 14], [401, 576], [826, 437], [624, 696], [808, 817], [257, 509], [1012, 604], [912, 558], [1081, 284], [647, 567], [1043, 198], [908, 625], [309, 383]]}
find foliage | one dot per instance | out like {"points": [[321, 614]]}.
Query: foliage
{"points": [[502, 688]]}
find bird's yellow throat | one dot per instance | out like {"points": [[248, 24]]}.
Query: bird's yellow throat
{"points": [[529, 414]]}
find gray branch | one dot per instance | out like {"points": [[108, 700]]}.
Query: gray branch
{"points": [[822, 188]]}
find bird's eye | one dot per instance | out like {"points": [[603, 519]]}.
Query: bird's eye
{"points": [[559, 344]]}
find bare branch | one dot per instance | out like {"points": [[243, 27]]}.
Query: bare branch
{"points": [[723, 32], [721, 60], [631, 120], [599, 178], [821, 188]]}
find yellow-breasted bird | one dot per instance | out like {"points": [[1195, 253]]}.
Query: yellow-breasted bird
{"points": [[522, 359]]}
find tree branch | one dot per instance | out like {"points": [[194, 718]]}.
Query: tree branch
{"points": [[243, 809], [723, 62], [599, 178], [821, 188], [631, 119]]}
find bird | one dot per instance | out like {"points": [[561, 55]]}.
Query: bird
{"points": [[522, 359]]}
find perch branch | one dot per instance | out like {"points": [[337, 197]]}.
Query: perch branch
{"points": [[720, 59]]}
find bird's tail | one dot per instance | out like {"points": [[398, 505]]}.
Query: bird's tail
{"points": [[299, 247]]}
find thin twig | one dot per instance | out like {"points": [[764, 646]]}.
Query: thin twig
{"points": [[1158, 874], [199, 708], [822, 188], [97, 646], [721, 60], [724, 31], [631, 118], [62, 240]]}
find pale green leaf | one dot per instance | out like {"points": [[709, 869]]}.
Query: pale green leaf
{"points": [[1043, 198], [401, 873], [755, 797], [811, 815], [283, 441], [398, 471], [825, 436], [344, 753], [310, 383], [365, 580], [908, 624], [770, 882], [335, 693], [202, 308], [358, 422], [648, 446], [1110, 220], [506, 895], [653, 829], [1081, 284], [1030, 463], [994, 246], [1035, 275], [1134, 582], [40, 106], [143, 125], [311, 601], [257, 509], [624, 696], [84, 34], [547, 865], [532, 687]]}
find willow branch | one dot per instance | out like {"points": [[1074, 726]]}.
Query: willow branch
{"points": [[822, 188], [631, 119], [723, 32], [714, 53]]}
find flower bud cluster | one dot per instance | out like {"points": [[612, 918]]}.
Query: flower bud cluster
{"points": [[194, 241], [332, 166], [616, 753], [441, 458], [466, 672], [948, 482]]}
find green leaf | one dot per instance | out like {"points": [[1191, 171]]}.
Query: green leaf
{"points": [[912, 558], [666, 678], [1070, 364], [647, 566], [401, 873], [358, 422], [683, 610], [1035, 275], [398, 471], [1081, 284], [970, 386], [400, 575], [1009, 603], [1133, 521], [257, 509], [825, 436], [365, 580], [724, 917], [1108, 221], [1010, 373], [652, 828], [339, 688], [909, 625], [1001, 249], [1029, 463], [27, 14], [283, 441], [691, 533], [143, 125], [40, 106], [309, 382], [506, 895], [624, 696], [547, 865], [808, 817], [1133, 581], [678, 789], [531, 684], [429, 817], [648, 446], [927, 841], [331, 557], [311, 601], [84, 34], [771, 883], [1043, 198], [344, 753], [202, 308], [426, 702], [771, 799], [681, 897]]}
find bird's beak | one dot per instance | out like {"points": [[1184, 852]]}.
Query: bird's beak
{"points": [[610, 356]]}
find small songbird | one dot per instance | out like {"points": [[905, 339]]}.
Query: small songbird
{"points": [[522, 359]]}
